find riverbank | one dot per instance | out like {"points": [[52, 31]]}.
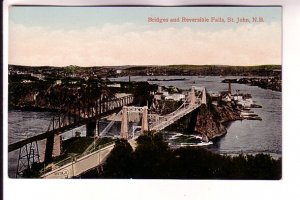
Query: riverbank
{"points": [[272, 83], [31, 108], [210, 120]]}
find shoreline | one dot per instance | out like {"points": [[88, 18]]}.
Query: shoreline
{"points": [[31, 108], [273, 83]]}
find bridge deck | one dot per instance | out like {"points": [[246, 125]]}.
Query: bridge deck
{"points": [[59, 130], [81, 165], [98, 157], [170, 119]]}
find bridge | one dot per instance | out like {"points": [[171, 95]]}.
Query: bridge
{"points": [[162, 122], [93, 158], [70, 117], [157, 122], [80, 164]]}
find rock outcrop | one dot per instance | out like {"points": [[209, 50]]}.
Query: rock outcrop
{"points": [[210, 119]]}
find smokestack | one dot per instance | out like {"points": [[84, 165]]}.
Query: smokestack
{"points": [[229, 87]]}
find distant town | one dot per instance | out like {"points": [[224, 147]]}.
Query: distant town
{"points": [[145, 70], [24, 79]]}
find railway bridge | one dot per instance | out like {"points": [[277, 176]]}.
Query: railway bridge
{"points": [[69, 118]]}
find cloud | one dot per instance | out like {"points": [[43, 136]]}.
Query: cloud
{"points": [[128, 43]]}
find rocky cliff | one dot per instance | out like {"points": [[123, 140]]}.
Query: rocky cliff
{"points": [[210, 119]]}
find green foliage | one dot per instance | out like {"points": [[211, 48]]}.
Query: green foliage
{"points": [[154, 159], [119, 163], [156, 163], [142, 91], [71, 68], [136, 68], [18, 91], [76, 144], [34, 171]]}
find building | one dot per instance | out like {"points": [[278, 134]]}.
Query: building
{"points": [[215, 98], [178, 97], [158, 96], [58, 82], [116, 85]]}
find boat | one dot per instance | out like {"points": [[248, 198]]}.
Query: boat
{"points": [[253, 118], [255, 106], [248, 114], [174, 79]]}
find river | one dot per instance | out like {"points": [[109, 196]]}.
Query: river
{"points": [[245, 136]]}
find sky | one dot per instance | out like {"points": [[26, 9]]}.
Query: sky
{"points": [[114, 36]]}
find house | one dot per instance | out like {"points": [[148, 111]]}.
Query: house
{"points": [[26, 81], [215, 98], [165, 93], [57, 82], [175, 97], [178, 97], [116, 85]]}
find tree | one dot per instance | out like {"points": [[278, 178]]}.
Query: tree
{"points": [[152, 157], [119, 164]]}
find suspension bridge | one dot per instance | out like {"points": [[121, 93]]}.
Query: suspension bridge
{"points": [[94, 157]]}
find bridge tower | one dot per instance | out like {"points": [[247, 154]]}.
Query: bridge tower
{"points": [[193, 96], [203, 98], [126, 118], [145, 119], [124, 124]]}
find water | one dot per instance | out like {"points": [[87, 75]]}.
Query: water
{"points": [[26, 124], [247, 136], [22, 125], [242, 136]]}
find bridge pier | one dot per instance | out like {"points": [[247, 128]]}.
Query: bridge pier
{"points": [[91, 129], [53, 147], [203, 98], [193, 96], [124, 124]]}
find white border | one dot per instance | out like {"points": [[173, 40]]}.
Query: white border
{"points": [[180, 189]]}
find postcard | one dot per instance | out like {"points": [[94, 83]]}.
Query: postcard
{"points": [[145, 92]]}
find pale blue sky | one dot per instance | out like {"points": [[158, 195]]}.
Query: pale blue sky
{"points": [[82, 17], [95, 36]]}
